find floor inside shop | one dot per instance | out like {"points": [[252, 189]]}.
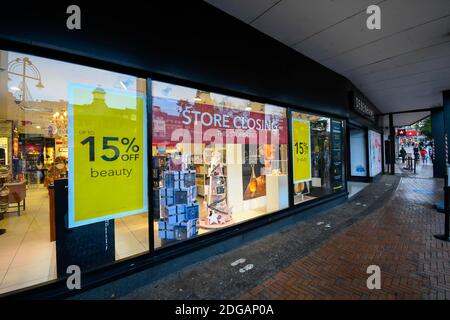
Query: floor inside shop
{"points": [[28, 257]]}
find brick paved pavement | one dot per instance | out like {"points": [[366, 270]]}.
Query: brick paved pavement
{"points": [[398, 237]]}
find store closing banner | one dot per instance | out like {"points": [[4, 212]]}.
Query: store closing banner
{"points": [[204, 123], [107, 154]]}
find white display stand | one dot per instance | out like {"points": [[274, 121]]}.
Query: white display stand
{"points": [[277, 192]]}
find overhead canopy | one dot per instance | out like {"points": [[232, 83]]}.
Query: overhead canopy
{"points": [[404, 66], [406, 119]]}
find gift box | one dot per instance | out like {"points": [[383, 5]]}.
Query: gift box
{"points": [[189, 178], [168, 211], [175, 179], [166, 230], [183, 196], [193, 193], [167, 196], [176, 218], [192, 211], [186, 230]]}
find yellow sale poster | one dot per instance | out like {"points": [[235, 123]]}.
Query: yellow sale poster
{"points": [[107, 154], [301, 150]]}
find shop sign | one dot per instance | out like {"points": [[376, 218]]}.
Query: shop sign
{"points": [[301, 150], [211, 124], [361, 106], [107, 154]]}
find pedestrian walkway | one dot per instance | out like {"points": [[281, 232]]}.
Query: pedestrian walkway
{"points": [[423, 170], [390, 223], [397, 237]]}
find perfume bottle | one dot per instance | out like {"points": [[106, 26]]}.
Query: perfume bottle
{"points": [[253, 184]]}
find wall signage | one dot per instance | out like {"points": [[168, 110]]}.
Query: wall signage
{"points": [[107, 154], [363, 107], [301, 150]]}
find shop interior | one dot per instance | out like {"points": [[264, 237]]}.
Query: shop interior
{"points": [[236, 181], [33, 154], [320, 183]]}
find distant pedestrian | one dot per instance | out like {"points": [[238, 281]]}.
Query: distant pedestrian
{"points": [[423, 154], [416, 153], [403, 154]]}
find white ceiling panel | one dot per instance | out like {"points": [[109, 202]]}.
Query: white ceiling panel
{"points": [[406, 119], [294, 21], [399, 44], [405, 70], [397, 16]]}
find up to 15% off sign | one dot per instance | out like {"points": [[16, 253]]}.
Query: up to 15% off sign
{"points": [[112, 153], [107, 154], [301, 141]]}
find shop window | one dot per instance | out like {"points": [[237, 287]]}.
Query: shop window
{"points": [[358, 154], [217, 161], [375, 163], [36, 95], [317, 156]]}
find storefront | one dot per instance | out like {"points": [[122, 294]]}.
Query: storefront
{"points": [[365, 152], [134, 156], [87, 155]]}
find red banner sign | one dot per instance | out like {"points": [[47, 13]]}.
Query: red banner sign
{"points": [[175, 122]]}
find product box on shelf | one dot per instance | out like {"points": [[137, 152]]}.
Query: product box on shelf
{"points": [[171, 196], [186, 229], [166, 230], [173, 214], [192, 211], [189, 178], [167, 196]]}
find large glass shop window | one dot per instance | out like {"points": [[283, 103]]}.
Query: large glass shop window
{"points": [[217, 161], [317, 156], [72, 169]]}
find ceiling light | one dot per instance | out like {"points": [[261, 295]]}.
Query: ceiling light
{"points": [[38, 127], [123, 85]]}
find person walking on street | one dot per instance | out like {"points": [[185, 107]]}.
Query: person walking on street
{"points": [[403, 154], [423, 153]]}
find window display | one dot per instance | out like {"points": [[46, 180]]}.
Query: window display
{"points": [[230, 155], [358, 157], [375, 165], [34, 121], [317, 156]]}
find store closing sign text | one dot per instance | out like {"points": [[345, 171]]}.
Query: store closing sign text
{"points": [[107, 156]]}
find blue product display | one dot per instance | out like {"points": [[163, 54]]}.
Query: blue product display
{"points": [[192, 211], [179, 209]]}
